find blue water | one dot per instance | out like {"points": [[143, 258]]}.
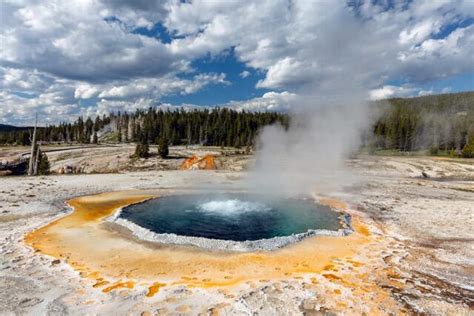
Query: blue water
{"points": [[237, 217]]}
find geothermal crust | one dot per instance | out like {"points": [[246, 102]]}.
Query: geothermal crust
{"points": [[414, 254]]}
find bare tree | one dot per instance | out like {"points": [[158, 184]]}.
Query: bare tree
{"points": [[33, 154], [37, 160]]}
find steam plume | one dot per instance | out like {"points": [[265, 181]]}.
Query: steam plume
{"points": [[311, 155]]}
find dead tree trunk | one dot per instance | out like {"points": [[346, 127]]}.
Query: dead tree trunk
{"points": [[31, 166], [37, 160]]}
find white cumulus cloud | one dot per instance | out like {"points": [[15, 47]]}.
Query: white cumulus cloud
{"points": [[55, 54]]}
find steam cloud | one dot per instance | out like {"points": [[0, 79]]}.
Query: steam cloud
{"points": [[311, 155]]}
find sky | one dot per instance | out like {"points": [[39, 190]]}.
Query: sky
{"points": [[64, 59]]}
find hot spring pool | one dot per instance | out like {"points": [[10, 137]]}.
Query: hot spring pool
{"points": [[230, 221]]}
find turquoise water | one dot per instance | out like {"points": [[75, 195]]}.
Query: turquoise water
{"points": [[237, 217]]}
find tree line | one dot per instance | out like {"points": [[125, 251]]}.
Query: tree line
{"points": [[216, 127], [435, 123]]}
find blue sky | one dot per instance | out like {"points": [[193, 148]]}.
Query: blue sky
{"points": [[450, 84], [238, 89], [66, 59], [462, 82]]}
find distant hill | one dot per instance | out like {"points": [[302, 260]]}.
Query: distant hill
{"points": [[447, 103], [436, 122], [11, 128]]}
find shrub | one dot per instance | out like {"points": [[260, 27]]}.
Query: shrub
{"points": [[433, 150], [371, 149], [468, 151], [452, 153], [142, 150], [43, 164]]}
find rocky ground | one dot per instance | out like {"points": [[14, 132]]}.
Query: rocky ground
{"points": [[116, 158], [418, 257], [433, 218]]}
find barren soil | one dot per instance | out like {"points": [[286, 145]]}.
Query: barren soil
{"points": [[116, 158]]}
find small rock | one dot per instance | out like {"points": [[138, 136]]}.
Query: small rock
{"points": [[28, 302], [57, 261], [309, 304]]}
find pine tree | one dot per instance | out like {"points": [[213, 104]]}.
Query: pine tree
{"points": [[163, 149], [142, 150]]}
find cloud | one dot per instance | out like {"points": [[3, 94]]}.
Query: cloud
{"points": [[244, 74], [314, 45], [389, 91], [151, 87], [286, 72], [74, 40], [52, 107], [406, 90], [270, 101], [440, 57], [425, 92], [63, 52], [446, 90], [85, 91], [419, 32]]}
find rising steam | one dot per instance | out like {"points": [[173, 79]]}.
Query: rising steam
{"points": [[310, 156]]}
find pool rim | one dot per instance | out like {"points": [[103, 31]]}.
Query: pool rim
{"points": [[266, 244]]}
